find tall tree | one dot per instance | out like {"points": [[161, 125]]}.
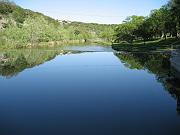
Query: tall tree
{"points": [[126, 31], [175, 9], [145, 30]]}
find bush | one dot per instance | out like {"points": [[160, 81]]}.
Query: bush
{"points": [[19, 15], [6, 7]]}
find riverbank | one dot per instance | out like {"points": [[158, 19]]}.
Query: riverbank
{"points": [[54, 44], [156, 45]]}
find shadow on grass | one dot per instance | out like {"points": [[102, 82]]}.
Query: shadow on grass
{"points": [[155, 45]]}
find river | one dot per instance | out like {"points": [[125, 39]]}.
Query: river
{"points": [[94, 91]]}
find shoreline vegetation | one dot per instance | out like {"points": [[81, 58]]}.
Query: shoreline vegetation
{"points": [[23, 28], [55, 44], [160, 31]]}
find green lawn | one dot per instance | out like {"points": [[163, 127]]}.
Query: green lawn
{"points": [[155, 45]]}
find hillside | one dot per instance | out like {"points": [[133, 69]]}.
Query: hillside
{"points": [[22, 27]]}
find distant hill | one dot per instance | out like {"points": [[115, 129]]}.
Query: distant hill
{"points": [[20, 27]]}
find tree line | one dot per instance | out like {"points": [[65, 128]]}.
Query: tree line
{"points": [[161, 23]]}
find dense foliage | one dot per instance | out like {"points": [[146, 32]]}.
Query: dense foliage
{"points": [[19, 27], [161, 23]]}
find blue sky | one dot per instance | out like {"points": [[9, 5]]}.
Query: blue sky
{"points": [[98, 11]]}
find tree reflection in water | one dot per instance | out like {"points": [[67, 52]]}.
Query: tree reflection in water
{"points": [[158, 64], [14, 62]]}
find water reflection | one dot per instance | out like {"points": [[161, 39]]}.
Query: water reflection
{"points": [[76, 93], [158, 64], [13, 62]]}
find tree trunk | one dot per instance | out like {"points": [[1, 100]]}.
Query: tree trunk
{"points": [[144, 41], [178, 35], [162, 35], [165, 36]]}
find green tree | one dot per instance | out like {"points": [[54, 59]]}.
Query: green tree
{"points": [[144, 31], [19, 15], [175, 9], [6, 7], [126, 30], [162, 22]]}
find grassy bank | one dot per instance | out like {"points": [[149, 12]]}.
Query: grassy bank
{"points": [[155, 45], [53, 44]]}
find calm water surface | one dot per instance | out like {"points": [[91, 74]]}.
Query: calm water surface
{"points": [[88, 93]]}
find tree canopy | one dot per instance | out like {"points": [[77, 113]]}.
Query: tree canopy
{"points": [[161, 23]]}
